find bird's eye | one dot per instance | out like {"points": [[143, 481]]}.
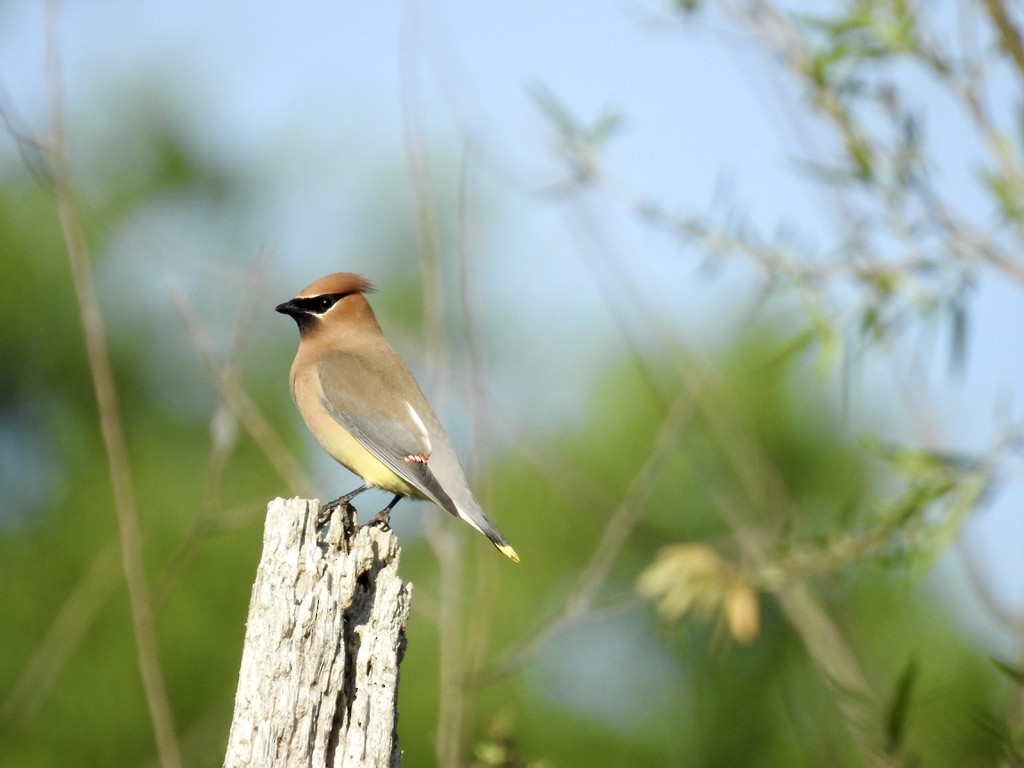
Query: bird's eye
{"points": [[325, 302]]}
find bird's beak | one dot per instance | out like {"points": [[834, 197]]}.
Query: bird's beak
{"points": [[288, 308], [302, 316]]}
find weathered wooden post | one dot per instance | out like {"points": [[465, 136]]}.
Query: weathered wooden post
{"points": [[324, 638]]}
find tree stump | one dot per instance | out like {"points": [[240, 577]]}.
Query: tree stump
{"points": [[324, 638]]}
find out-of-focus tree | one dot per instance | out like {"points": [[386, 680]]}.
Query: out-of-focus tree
{"points": [[713, 572], [911, 252]]}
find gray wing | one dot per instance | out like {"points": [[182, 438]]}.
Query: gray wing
{"points": [[377, 400]]}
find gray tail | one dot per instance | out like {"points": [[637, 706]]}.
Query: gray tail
{"points": [[480, 521]]}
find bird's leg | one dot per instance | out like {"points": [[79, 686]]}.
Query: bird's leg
{"points": [[328, 509], [384, 516]]}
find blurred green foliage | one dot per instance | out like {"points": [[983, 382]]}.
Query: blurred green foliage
{"points": [[762, 704], [70, 693]]}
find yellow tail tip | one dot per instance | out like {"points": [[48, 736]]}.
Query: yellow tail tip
{"points": [[508, 552]]}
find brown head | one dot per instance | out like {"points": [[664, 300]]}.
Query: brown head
{"points": [[332, 301]]}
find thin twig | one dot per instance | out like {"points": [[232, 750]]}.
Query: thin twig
{"points": [[763, 491], [447, 546], [105, 388], [443, 540], [222, 434], [480, 619], [1009, 35], [613, 539], [239, 401], [427, 245], [70, 624], [83, 604]]}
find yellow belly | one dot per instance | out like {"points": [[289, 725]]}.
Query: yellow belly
{"points": [[348, 452], [340, 444]]}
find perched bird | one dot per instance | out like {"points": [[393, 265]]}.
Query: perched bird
{"points": [[362, 404]]}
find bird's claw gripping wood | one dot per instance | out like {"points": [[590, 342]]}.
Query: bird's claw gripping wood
{"points": [[383, 520], [327, 510], [325, 514]]}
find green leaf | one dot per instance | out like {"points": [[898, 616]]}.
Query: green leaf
{"points": [[899, 707], [1005, 192], [555, 111]]}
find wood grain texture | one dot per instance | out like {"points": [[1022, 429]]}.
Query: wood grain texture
{"points": [[323, 643]]}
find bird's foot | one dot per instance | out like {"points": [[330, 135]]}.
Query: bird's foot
{"points": [[326, 512], [382, 519], [348, 525]]}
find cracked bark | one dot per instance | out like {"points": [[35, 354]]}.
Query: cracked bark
{"points": [[325, 635]]}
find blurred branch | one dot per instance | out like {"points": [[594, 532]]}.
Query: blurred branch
{"points": [[967, 240], [566, 479], [963, 79], [203, 528], [238, 400], [431, 274], [829, 650], [35, 153], [223, 429], [444, 541], [223, 434], [83, 604], [51, 654], [484, 599], [908, 254], [447, 547], [613, 538], [822, 639], [918, 522], [1009, 35], [764, 502], [763, 492], [110, 419]]}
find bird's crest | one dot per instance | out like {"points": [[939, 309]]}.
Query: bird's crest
{"points": [[337, 283]]}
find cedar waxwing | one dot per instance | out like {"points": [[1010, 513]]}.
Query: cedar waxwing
{"points": [[363, 406]]}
